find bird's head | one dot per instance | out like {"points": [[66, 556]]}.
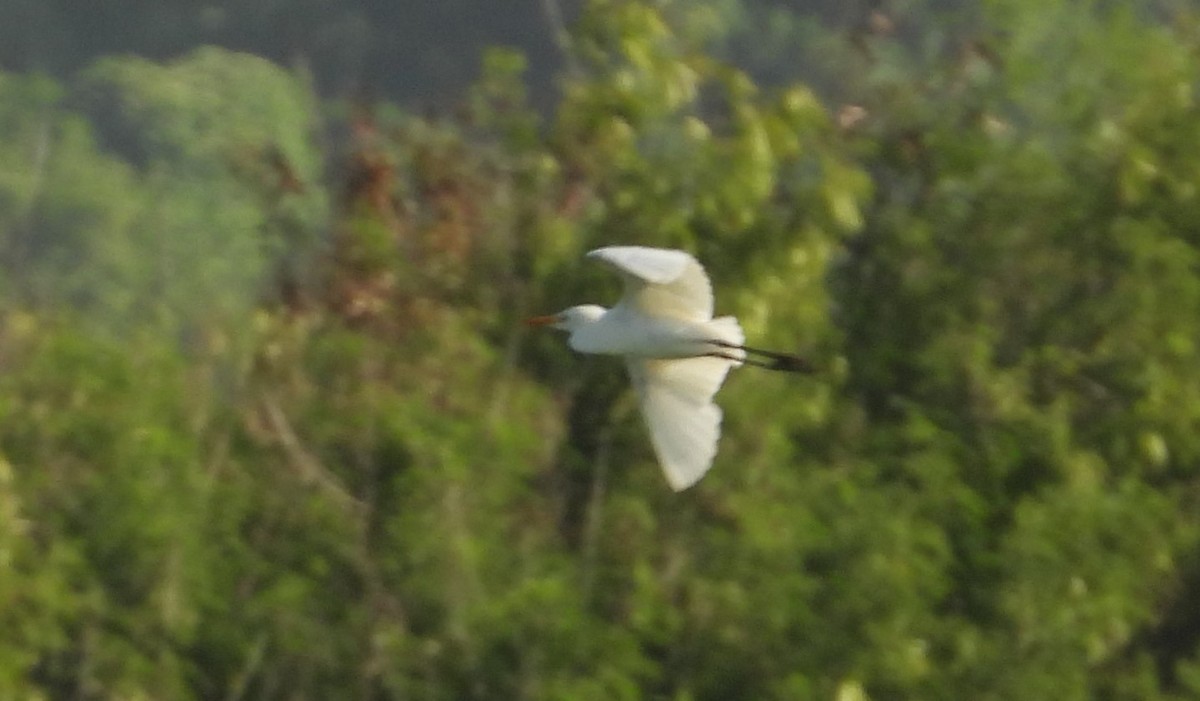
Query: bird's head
{"points": [[571, 319]]}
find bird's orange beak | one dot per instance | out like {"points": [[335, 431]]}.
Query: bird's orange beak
{"points": [[542, 320]]}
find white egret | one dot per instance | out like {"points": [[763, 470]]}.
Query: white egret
{"points": [[676, 352]]}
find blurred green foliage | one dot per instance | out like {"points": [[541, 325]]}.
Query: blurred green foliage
{"points": [[269, 427]]}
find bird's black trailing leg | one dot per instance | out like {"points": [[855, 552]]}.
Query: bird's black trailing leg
{"points": [[742, 361], [782, 362]]}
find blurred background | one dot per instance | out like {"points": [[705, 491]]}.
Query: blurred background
{"points": [[270, 427]]}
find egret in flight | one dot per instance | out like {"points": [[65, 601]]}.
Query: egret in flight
{"points": [[676, 352]]}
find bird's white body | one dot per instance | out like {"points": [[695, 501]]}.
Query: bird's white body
{"points": [[625, 330], [676, 352]]}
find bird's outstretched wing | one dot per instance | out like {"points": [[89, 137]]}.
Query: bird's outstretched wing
{"points": [[676, 401], [661, 282]]}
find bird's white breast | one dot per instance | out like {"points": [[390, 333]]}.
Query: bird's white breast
{"points": [[625, 331]]}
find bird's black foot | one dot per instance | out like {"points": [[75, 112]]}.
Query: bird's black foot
{"points": [[781, 362]]}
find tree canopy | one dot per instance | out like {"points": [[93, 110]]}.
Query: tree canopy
{"points": [[270, 427]]}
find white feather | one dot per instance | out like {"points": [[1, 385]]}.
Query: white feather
{"points": [[661, 282], [684, 424]]}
